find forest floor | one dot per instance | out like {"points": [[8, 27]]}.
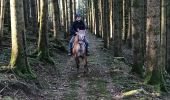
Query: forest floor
{"points": [[108, 78]]}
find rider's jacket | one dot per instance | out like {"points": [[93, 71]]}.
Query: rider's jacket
{"points": [[75, 26]]}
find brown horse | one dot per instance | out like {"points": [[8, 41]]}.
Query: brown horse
{"points": [[79, 49]]}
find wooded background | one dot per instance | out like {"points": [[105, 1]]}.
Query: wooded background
{"points": [[143, 26]]}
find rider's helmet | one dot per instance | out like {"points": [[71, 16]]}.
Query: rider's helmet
{"points": [[77, 15]]}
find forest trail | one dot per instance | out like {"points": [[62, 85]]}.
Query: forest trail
{"points": [[34, 64], [106, 78], [97, 84]]}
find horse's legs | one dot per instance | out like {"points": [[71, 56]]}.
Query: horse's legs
{"points": [[77, 63], [85, 65]]}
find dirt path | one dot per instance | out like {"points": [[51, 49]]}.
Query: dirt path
{"points": [[107, 77], [97, 85]]}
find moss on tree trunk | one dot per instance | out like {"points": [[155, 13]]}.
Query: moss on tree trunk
{"points": [[18, 61], [153, 51], [43, 49]]}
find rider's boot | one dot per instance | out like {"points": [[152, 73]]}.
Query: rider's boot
{"points": [[69, 52], [87, 51]]}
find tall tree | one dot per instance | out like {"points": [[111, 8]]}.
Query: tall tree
{"points": [[89, 18], [101, 17], [26, 12], [168, 37], [71, 11], [18, 61], [163, 35], [64, 16], [106, 24], [34, 17], [137, 31], [111, 20], [2, 13], [38, 11], [129, 34], [154, 74], [126, 6], [75, 5], [56, 18], [43, 49], [117, 27], [67, 19], [96, 6], [7, 20], [92, 17]]}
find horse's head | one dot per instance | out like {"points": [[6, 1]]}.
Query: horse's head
{"points": [[79, 43], [81, 35]]}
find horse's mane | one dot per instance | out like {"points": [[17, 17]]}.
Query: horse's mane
{"points": [[76, 40]]}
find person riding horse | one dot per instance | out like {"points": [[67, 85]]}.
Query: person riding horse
{"points": [[77, 25]]}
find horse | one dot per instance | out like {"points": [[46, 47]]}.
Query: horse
{"points": [[79, 49]]}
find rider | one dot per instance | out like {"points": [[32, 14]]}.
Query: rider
{"points": [[78, 24]]}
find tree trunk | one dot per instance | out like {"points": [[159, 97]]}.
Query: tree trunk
{"points": [[38, 11], [137, 31], [96, 5], [67, 19], [117, 26], [64, 17], [102, 17], [34, 17], [2, 14], [18, 61], [106, 24], [74, 9], [93, 19], [129, 37], [91, 14], [26, 14], [111, 19], [154, 74], [126, 6], [71, 11], [163, 35], [168, 37], [56, 18], [43, 51]]}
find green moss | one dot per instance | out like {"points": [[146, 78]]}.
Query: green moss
{"points": [[147, 77], [45, 57], [19, 65], [138, 69], [25, 73], [156, 79], [12, 60]]}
